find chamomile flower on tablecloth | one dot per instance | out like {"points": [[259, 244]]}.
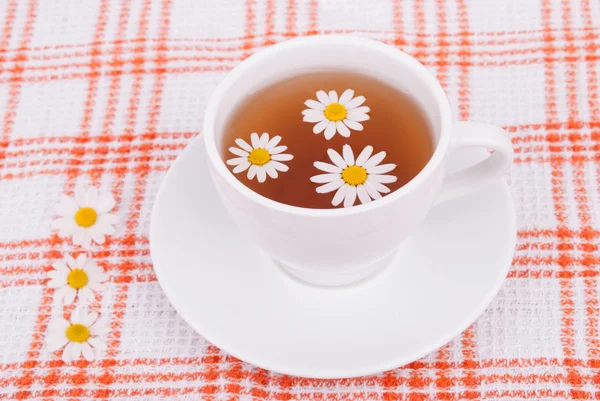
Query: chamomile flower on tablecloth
{"points": [[77, 277], [78, 335], [86, 217], [332, 114], [362, 177], [262, 158]]}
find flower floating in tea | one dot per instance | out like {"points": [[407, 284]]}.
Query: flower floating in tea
{"points": [[77, 277], [262, 158], [333, 114], [86, 217], [78, 336], [362, 178]]}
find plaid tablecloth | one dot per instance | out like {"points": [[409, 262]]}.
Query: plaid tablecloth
{"points": [[109, 92]]}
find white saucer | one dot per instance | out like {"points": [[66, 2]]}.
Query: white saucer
{"points": [[234, 295]]}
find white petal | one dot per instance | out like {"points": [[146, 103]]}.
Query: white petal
{"points": [[330, 187], [98, 344], [106, 203], [323, 98], [77, 315], [242, 167], [318, 128], [251, 172], [340, 195], [342, 129], [272, 143], [350, 196], [75, 350], [353, 125], [271, 170], [311, 112], [243, 144], [56, 342], [261, 174], [67, 354], [86, 294], [60, 293], [363, 195], [80, 194], [96, 235], [87, 352], [58, 326], [109, 217], [346, 96], [255, 140], [372, 191], [97, 286], [354, 103], [91, 197], [381, 169], [348, 155], [89, 319], [86, 241], [67, 206], [70, 294], [374, 160], [237, 161], [330, 130], [328, 168], [336, 158], [382, 179], [99, 328], [278, 149], [71, 262], [282, 158], [357, 116], [65, 226], [57, 275], [312, 119], [264, 139], [80, 260], [238, 152], [322, 178], [57, 282], [104, 226], [333, 96], [377, 186], [364, 155], [279, 166], [360, 110], [313, 104], [61, 267], [78, 235]]}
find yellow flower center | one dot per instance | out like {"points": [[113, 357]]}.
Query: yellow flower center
{"points": [[259, 156], [335, 112], [354, 175], [86, 217], [77, 333], [77, 278]]}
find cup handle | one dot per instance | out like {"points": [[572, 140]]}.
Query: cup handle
{"points": [[468, 135]]}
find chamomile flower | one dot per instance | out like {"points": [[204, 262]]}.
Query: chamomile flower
{"points": [[362, 177], [333, 114], [77, 277], [86, 217], [79, 335], [263, 157]]}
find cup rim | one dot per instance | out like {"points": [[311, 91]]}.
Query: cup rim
{"points": [[436, 159]]}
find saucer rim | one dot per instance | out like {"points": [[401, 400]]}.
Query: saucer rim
{"points": [[185, 311]]}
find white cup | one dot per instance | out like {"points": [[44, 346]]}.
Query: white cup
{"points": [[333, 247]]}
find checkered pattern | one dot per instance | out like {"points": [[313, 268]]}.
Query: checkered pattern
{"points": [[109, 92]]}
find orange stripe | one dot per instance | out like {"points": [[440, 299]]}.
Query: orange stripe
{"points": [[269, 23], [14, 89], [114, 87], [465, 55], [313, 17], [398, 24], [290, 23], [420, 44]]}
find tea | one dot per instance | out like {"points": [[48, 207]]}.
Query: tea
{"points": [[298, 154]]}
